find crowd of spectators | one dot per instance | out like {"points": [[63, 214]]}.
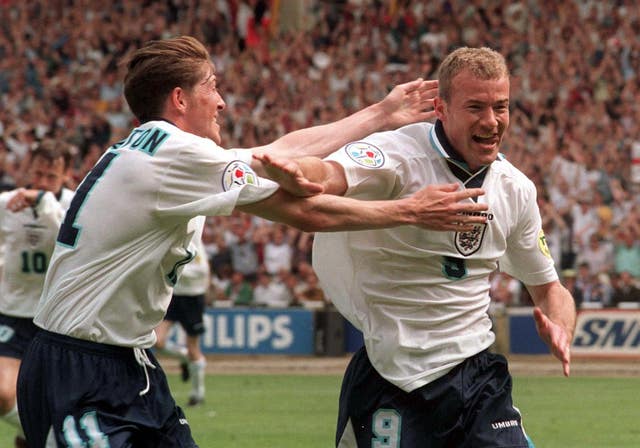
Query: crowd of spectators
{"points": [[283, 65]]}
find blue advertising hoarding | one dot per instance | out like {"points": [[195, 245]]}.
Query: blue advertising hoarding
{"points": [[255, 331], [599, 333]]}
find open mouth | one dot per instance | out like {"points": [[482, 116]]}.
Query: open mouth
{"points": [[490, 139]]}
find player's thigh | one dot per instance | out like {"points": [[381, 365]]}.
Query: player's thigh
{"points": [[9, 368], [97, 428], [491, 420], [376, 413]]}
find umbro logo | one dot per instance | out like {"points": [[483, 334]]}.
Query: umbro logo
{"points": [[505, 424]]}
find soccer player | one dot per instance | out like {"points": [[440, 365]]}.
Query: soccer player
{"points": [[29, 223], [88, 376], [424, 376], [187, 307]]}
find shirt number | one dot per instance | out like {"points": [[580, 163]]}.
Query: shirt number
{"points": [[89, 424], [69, 230], [386, 429]]}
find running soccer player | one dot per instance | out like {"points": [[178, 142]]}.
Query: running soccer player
{"points": [[187, 307], [29, 223], [130, 229], [424, 377]]}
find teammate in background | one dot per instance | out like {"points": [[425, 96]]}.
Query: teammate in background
{"points": [[425, 377], [130, 229], [187, 307], [29, 223]]}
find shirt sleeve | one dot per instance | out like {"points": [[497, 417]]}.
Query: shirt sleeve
{"points": [[204, 179], [527, 257], [371, 169], [51, 208]]}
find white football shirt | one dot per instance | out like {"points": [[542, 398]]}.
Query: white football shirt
{"points": [[194, 279], [29, 238], [129, 229], [421, 297]]}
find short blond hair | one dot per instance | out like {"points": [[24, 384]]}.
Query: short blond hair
{"points": [[483, 63]]}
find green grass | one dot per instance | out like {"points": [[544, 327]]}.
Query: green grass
{"points": [[290, 411]]}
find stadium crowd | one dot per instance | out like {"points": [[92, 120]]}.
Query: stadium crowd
{"points": [[575, 114]]}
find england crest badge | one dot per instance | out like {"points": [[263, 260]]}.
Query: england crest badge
{"points": [[469, 242]]}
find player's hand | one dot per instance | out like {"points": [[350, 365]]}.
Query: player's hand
{"points": [[410, 102], [288, 174], [556, 337], [446, 207], [22, 199]]}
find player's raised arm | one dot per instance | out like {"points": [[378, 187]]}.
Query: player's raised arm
{"points": [[406, 103]]}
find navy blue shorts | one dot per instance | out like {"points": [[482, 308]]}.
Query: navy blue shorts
{"points": [[189, 311], [16, 334], [470, 407], [90, 394]]}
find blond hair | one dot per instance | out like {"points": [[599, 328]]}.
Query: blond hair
{"points": [[483, 63]]}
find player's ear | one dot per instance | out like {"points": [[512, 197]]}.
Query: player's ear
{"points": [[439, 107], [177, 99]]}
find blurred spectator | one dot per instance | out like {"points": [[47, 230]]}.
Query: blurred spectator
{"points": [[598, 255], [244, 255], [568, 277], [505, 289], [283, 285], [278, 252], [311, 295], [239, 291], [583, 285], [627, 254], [271, 293], [625, 289]]}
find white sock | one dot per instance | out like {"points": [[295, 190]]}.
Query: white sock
{"points": [[174, 350], [197, 370]]}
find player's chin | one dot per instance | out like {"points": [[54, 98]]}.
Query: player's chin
{"points": [[215, 135]]}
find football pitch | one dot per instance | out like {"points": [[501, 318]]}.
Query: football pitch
{"points": [[299, 411]]}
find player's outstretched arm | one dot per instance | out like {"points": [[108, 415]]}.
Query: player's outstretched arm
{"points": [[437, 207], [290, 174], [406, 103], [555, 317], [23, 198]]}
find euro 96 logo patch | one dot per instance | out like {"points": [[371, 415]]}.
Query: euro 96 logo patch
{"points": [[542, 244], [365, 154], [237, 174]]}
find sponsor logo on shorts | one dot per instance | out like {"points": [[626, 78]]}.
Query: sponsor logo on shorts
{"points": [[183, 421], [237, 174], [505, 424], [365, 154]]}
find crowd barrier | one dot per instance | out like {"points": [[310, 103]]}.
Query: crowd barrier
{"points": [[296, 331]]}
